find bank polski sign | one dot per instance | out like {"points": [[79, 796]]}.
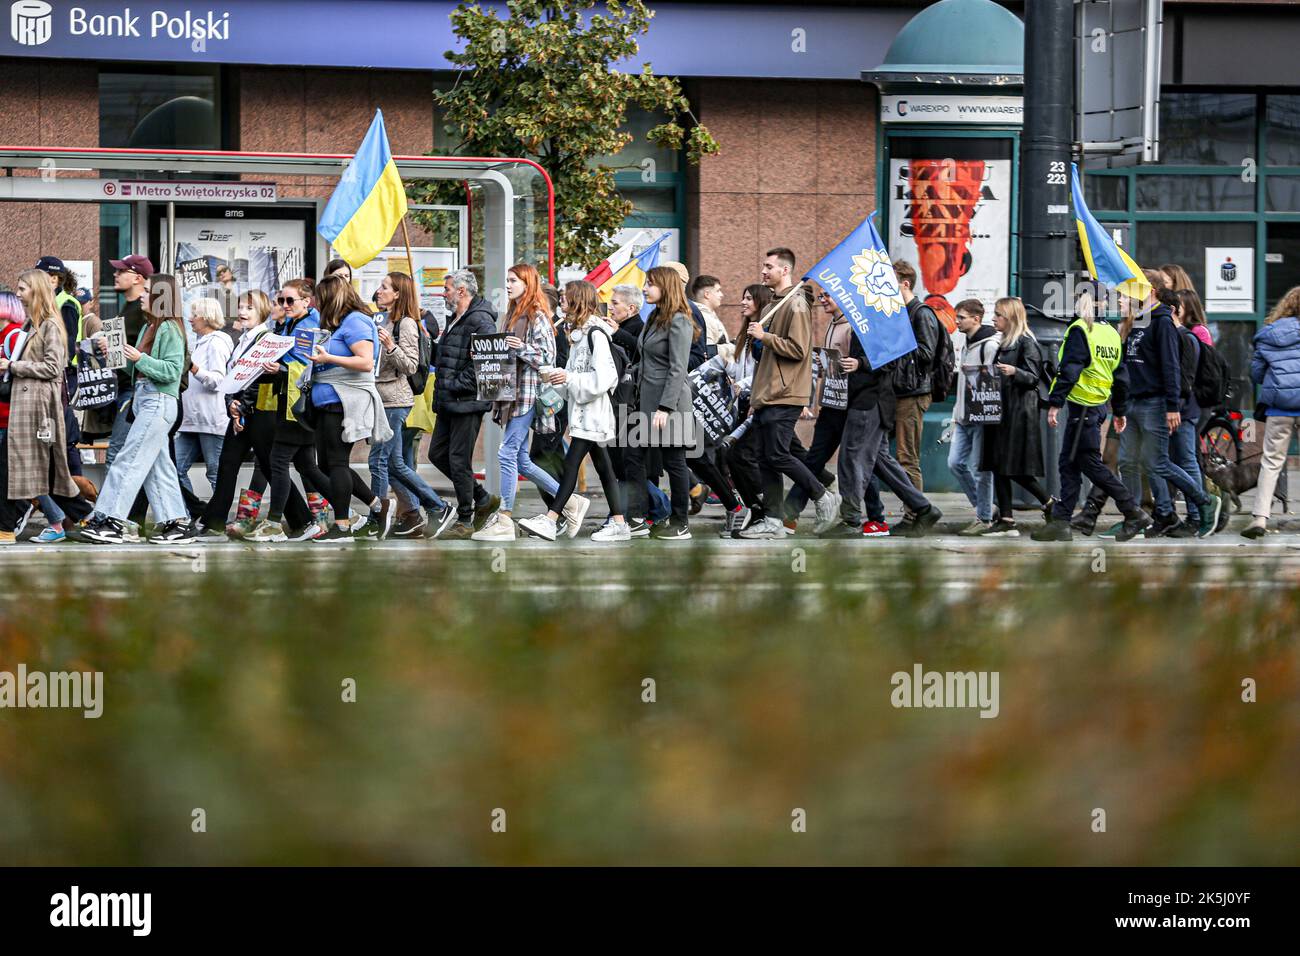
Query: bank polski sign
{"points": [[32, 23]]}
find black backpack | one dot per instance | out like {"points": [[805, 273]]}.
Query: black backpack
{"points": [[1212, 378], [624, 390], [419, 379], [943, 374]]}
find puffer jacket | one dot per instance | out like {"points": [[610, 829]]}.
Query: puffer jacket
{"points": [[1276, 364], [456, 386]]}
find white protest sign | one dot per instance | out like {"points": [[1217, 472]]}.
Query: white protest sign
{"points": [[269, 348]]}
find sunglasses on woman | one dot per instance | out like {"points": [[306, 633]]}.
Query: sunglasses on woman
{"points": [[287, 300]]}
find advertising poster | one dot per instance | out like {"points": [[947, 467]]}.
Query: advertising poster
{"points": [[950, 216], [494, 367], [223, 258], [1229, 279], [431, 267]]}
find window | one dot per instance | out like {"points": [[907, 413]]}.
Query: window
{"points": [[1206, 129], [1156, 193], [1105, 192], [1185, 242], [162, 108], [1282, 114]]}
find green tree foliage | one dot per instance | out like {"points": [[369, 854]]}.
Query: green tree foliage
{"points": [[541, 84]]}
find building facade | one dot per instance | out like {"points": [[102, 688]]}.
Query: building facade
{"points": [[808, 147]]}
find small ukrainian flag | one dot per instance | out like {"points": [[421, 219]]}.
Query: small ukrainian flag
{"points": [[1106, 262], [368, 203]]}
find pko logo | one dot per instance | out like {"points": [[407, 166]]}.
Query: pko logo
{"points": [[30, 22]]}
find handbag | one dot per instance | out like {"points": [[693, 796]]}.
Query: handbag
{"points": [[304, 410], [549, 400]]}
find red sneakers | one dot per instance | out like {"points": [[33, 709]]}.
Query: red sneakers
{"points": [[875, 529]]}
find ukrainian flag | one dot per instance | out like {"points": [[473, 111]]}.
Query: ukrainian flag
{"points": [[1106, 262], [368, 203]]}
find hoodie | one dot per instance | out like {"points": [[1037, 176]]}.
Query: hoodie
{"points": [[1276, 366], [1154, 359]]}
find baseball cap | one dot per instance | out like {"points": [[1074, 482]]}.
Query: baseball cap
{"points": [[52, 265], [139, 264], [84, 295]]}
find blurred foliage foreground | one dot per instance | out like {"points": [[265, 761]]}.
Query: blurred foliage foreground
{"points": [[224, 691]]}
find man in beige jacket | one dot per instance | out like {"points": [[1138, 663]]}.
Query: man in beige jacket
{"points": [[782, 387]]}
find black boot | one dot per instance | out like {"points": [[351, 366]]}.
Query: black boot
{"points": [[1056, 529]]}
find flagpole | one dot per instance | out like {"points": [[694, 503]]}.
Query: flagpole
{"points": [[410, 259]]}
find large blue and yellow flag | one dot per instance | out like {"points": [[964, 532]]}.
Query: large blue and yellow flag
{"points": [[859, 276], [368, 203], [1106, 262]]}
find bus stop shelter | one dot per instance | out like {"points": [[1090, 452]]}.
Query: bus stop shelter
{"points": [[508, 216]]}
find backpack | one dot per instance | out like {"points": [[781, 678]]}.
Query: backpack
{"points": [[419, 379], [943, 373], [1212, 378], [624, 391]]}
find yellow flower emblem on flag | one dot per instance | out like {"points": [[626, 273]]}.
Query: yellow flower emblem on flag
{"points": [[873, 276]]}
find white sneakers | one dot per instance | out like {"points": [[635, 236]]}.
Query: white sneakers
{"points": [[499, 527], [542, 526], [828, 512], [575, 510], [612, 531], [767, 528]]}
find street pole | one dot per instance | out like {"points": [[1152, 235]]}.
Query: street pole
{"points": [[1047, 231]]}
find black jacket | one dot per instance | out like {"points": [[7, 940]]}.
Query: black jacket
{"points": [[700, 345], [867, 386], [1015, 446], [628, 335], [456, 387], [914, 371]]}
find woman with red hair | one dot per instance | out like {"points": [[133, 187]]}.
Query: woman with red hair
{"points": [[531, 340]]}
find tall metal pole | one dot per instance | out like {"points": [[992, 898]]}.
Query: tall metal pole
{"points": [[1047, 250]]}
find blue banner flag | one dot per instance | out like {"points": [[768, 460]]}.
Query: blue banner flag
{"points": [[859, 277]]}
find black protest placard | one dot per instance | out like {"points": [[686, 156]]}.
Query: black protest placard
{"points": [[96, 388], [983, 396], [494, 368], [835, 382], [715, 409]]}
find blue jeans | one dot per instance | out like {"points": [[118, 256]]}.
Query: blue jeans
{"points": [[1146, 440], [144, 461], [1182, 448], [50, 508], [188, 446], [963, 462], [514, 461], [395, 459], [120, 426]]}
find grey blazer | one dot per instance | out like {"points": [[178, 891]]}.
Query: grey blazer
{"points": [[662, 381]]}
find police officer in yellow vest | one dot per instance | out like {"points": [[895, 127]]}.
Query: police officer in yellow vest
{"points": [[69, 307], [1090, 374]]}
